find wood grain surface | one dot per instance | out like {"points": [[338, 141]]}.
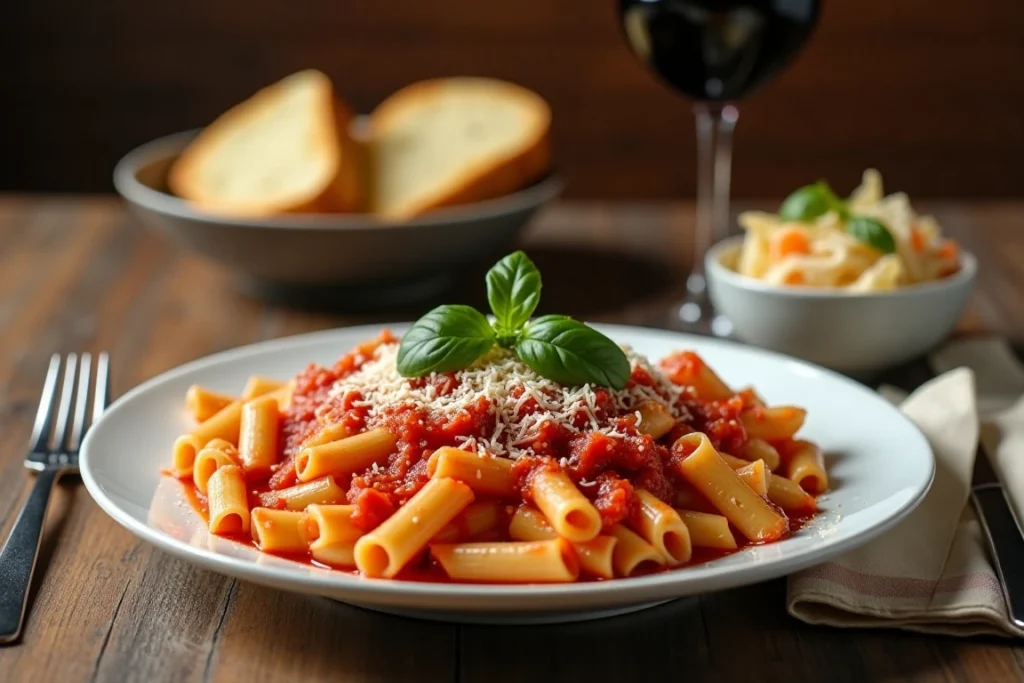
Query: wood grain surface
{"points": [[931, 91], [80, 274]]}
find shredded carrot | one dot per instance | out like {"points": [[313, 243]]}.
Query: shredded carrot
{"points": [[948, 250], [916, 239], [789, 241], [795, 277]]}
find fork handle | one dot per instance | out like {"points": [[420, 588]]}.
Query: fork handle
{"points": [[18, 557]]}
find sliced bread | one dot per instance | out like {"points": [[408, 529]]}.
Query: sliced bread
{"points": [[286, 149], [452, 141]]}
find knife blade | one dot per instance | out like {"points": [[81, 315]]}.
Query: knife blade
{"points": [[1002, 532]]}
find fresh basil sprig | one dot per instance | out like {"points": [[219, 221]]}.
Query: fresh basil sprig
{"points": [[566, 350], [445, 339], [810, 202], [814, 201], [872, 232], [558, 347], [513, 290]]}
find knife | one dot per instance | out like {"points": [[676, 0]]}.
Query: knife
{"points": [[1003, 532]]}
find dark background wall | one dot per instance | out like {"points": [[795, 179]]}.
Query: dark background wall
{"points": [[930, 91]]}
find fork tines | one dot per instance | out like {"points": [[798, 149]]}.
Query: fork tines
{"points": [[59, 429]]}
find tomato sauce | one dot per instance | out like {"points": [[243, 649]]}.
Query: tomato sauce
{"points": [[425, 569], [606, 467]]}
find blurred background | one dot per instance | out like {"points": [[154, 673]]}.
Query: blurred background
{"points": [[929, 91]]}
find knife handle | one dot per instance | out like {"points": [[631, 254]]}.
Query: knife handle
{"points": [[1006, 544]]}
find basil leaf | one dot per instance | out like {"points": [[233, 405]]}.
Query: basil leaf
{"points": [[872, 232], [447, 338], [569, 352], [513, 290], [810, 202]]}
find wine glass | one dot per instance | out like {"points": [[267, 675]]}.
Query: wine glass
{"points": [[716, 52]]}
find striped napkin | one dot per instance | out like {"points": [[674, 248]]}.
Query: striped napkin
{"points": [[931, 573]]}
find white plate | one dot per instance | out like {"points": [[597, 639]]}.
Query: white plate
{"points": [[879, 463]]}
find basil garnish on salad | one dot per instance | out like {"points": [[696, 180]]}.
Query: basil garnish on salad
{"points": [[811, 202]]}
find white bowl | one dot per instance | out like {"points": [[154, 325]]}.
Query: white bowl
{"points": [[851, 332], [353, 258]]}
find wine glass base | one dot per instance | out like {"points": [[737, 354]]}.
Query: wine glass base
{"points": [[695, 315], [721, 326], [697, 284]]}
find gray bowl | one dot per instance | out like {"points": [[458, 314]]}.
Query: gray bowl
{"points": [[355, 257]]}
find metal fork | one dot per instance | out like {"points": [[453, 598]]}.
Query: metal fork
{"points": [[53, 452]]}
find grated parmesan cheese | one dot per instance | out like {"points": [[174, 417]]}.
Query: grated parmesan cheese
{"points": [[498, 376]]}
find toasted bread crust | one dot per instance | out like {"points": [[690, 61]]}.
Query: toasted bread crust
{"points": [[340, 188], [497, 176]]}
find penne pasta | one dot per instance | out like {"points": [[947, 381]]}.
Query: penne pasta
{"points": [[595, 556], [632, 552], [570, 514], [753, 398], [733, 462], [707, 530], [222, 445], [476, 519], [485, 474], [283, 395], [204, 404], [342, 555], [183, 455], [322, 491], [328, 433], [805, 465], [529, 524], [389, 547], [773, 424], [757, 478], [210, 459], [688, 369], [789, 496], [258, 386], [660, 525], [755, 475], [229, 507], [279, 531], [332, 534], [655, 419], [550, 561], [689, 498], [224, 424], [351, 454], [759, 449], [258, 432], [709, 474]]}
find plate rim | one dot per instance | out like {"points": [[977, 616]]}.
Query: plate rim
{"points": [[503, 597]]}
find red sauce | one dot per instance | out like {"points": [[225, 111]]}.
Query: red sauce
{"points": [[425, 569], [312, 387], [606, 468]]}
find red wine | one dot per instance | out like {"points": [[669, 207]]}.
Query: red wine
{"points": [[717, 49]]}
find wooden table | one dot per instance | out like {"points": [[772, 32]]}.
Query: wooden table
{"points": [[82, 275]]}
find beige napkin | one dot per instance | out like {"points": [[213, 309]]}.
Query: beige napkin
{"points": [[931, 573]]}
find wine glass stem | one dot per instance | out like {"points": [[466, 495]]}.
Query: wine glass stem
{"points": [[715, 123]]}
